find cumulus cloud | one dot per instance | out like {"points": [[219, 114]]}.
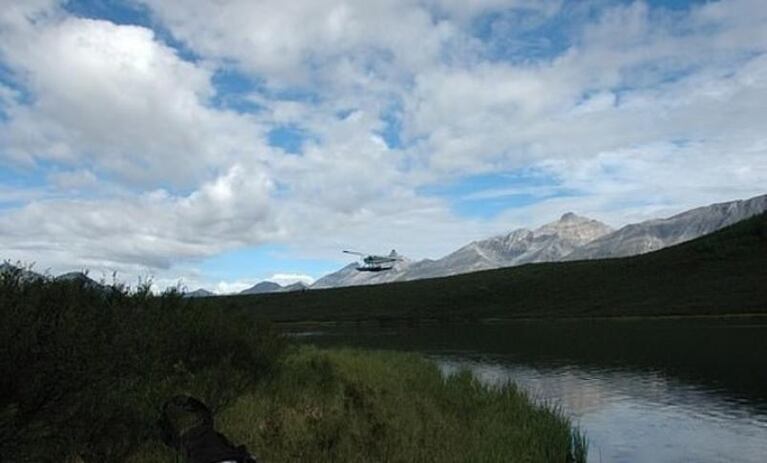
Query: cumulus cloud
{"points": [[629, 72], [285, 279], [113, 97], [151, 231], [638, 111], [231, 287], [288, 41]]}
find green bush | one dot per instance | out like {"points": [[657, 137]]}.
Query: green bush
{"points": [[84, 368]]}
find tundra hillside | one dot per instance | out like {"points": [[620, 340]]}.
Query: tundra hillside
{"points": [[723, 273]]}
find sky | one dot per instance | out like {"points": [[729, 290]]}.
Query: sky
{"points": [[219, 143]]}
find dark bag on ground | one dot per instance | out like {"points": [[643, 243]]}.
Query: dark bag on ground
{"points": [[187, 426]]}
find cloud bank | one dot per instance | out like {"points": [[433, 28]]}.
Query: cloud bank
{"points": [[148, 143]]}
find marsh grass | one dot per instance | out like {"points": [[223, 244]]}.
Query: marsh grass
{"points": [[374, 406]]}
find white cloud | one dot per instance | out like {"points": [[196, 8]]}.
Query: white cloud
{"points": [[592, 98], [284, 279], [287, 41], [114, 97], [74, 180], [135, 235], [647, 112], [231, 287]]}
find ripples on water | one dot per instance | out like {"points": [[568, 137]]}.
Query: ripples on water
{"points": [[637, 417], [642, 392]]}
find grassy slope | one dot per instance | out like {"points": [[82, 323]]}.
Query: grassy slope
{"points": [[346, 405], [722, 273]]}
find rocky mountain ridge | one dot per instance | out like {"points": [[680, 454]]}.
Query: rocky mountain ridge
{"points": [[655, 234], [547, 243], [28, 275], [572, 237]]}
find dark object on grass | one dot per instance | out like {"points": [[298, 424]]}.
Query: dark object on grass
{"points": [[187, 426]]}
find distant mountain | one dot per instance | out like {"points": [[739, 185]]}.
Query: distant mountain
{"points": [[25, 275], [271, 287], [350, 276], [718, 274], [263, 287], [297, 286], [28, 275], [652, 235], [548, 243], [199, 293], [572, 237], [343, 277], [80, 277]]}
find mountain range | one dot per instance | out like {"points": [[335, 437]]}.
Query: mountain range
{"points": [[27, 275], [572, 237], [271, 287], [259, 288], [652, 235], [719, 274]]}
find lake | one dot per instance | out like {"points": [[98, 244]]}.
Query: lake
{"points": [[641, 390]]}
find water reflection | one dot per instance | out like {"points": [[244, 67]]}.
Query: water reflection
{"points": [[642, 392], [636, 417]]}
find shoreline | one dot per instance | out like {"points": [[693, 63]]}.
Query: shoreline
{"points": [[407, 322], [342, 404]]}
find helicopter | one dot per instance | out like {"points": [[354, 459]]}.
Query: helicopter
{"points": [[373, 263]]}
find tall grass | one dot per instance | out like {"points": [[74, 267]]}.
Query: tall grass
{"points": [[365, 406]]}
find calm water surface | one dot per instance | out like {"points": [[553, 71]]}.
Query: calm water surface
{"points": [[663, 391]]}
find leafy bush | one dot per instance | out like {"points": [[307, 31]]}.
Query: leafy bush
{"points": [[84, 368]]}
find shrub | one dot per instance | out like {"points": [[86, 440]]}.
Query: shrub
{"points": [[84, 368]]}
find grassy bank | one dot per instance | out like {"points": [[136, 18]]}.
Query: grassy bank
{"points": [[719, 274], [350, 405], [85, 370]]}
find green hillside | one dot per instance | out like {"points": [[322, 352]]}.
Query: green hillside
{"points": [[718, 274]]}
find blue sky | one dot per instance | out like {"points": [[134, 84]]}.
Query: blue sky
{"points": [[260, 263], [202, 143]]}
